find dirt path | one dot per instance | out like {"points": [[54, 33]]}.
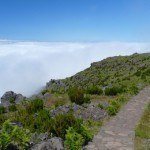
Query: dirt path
{"points": [[118, 133]]}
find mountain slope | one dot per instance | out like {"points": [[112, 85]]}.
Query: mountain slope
{"points": [[108, 72]]}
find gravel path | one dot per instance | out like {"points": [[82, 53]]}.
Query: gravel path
{"points": [[118, 133]]}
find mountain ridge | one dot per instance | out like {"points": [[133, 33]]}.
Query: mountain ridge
{"points": [[104, 72]]}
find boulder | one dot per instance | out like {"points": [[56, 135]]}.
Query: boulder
{"points": [[10, 98], [90, 112], [93, 112], [65, 109], [54, 143]]}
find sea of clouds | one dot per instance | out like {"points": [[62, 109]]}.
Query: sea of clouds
{"points": [[25, 67]]}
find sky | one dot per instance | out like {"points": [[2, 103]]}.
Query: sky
{"points": [[75, 20], [45, 39]]}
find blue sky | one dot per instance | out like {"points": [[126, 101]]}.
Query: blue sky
{"points": [[75, 20]]}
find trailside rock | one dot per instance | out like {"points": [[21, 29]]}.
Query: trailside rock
{"points": [[93, 112], [54, 143], [10, 98], [90, 112], [65, 109]]}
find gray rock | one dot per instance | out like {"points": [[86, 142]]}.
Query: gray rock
{"points": [[91, 112], [15, 123], [10, 97], [54, 143], [19, 98], [55, 85], [37, 138], [65, 109], [43, 136]]}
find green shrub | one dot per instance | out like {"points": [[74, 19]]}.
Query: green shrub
{"points": [[42, 122], [61, 123], [121, 99], [2, 109], [133, 89], [100, 106], [112, 91], [94, 90], [37, 122], [146, 72], [76, 95], [138, 73], [3, 118], [25, 118], [82, 129], [13, 135], [74, 141], [12, 108], [87, 99], [115, 103], [12, 100], [113, 108], [34, 106]]}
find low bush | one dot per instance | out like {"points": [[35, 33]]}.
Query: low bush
{"points": [[76, 95], [3, 118], [14, 136], [133, 89], [34, 106], [112, 91], [61, 123], [87, 99], [37, 122], [146, 72], [100, 106], [113, 108], [42, 121], [12, 100], [77, 135], [94, 90], [12, 108], [74, 141], [2, 109], [121, 99], [82, 129]]}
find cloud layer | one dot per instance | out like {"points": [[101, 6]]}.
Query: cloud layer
{"points": [[26, 66]]}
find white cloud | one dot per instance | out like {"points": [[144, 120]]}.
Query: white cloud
{"points": [[26, 66]]}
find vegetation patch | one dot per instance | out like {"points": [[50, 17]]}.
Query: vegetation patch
{"points": [[142, 131], [12, 137]]}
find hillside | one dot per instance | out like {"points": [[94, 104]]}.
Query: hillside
{"points": [[108, 72]]}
